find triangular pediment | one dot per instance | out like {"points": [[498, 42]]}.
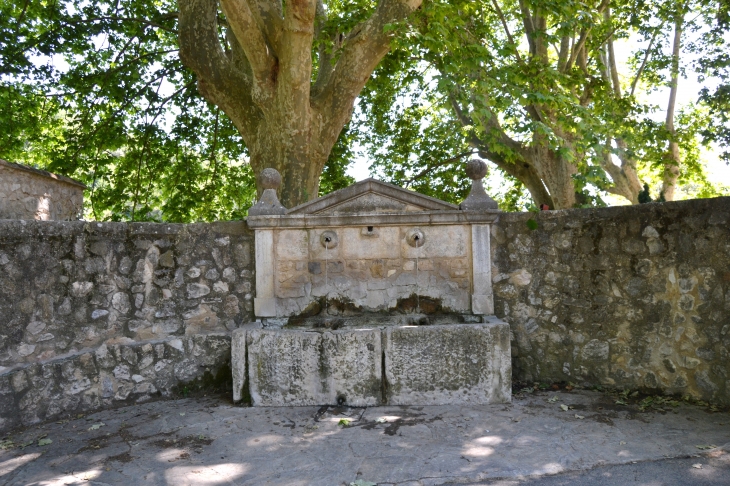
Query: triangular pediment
{"points": [[372, 196]]}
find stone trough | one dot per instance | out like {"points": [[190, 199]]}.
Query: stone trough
{"points": [[373, 295]]}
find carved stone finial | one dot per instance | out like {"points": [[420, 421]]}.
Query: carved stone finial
{"points": [[270, 181], [478, 199], [476, 169]]}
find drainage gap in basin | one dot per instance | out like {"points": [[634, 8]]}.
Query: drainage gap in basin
{"points": [[246, 389], [383, 379]]}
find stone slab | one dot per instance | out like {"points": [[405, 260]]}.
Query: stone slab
{"points": [[450, 364], [295, 368], [238, 362]]}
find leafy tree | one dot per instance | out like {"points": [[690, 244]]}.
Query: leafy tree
{"points": [[287, 74], [536, 88], [97, 91]]}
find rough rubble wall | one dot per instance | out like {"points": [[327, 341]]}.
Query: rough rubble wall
{"points": [[27, 193], [111, 375], [69, 290], [65, 286], [630, 297]]}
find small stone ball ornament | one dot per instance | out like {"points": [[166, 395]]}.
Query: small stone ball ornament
{"points": [[270, 179], [476, 169]]}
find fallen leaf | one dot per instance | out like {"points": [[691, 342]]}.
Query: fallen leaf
{"points": [[360, 482], [381, 420], [6, 444], [182, 414], [553, 399], [621, 402], [697, 466], [97, 426], [581, 417], [45, 442], [623, 442], [564, 407], [344, 423], [704, 447]]}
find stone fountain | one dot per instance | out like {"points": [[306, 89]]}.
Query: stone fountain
{"points": [[373, 295]]}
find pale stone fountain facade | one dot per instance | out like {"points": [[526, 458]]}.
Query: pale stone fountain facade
{"points": [[370, 295]]}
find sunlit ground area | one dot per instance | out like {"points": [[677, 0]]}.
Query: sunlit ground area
{"points": [[208, 441]]}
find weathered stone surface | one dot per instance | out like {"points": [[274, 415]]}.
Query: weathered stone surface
{"points": [[629, 297], [296, 268], [110, 375], [66, 286], [238, 362], [449, 364], [288, 367], [28, 193]]}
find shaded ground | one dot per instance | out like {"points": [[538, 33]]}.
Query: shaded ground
{"points": [[208, 441]]}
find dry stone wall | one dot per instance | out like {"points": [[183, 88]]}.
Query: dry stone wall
{"points": [[98, 314], [71, 290], [74, 285], [112, 375], [629, 297]]}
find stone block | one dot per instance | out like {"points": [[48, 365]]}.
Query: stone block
{"points": [[300, 368], [482, 304], [450, 364], [238, 362], [264, 307]]}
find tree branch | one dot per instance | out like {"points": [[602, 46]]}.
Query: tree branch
{"points": [[364, 48], [325, 55], [506, 29], [529, 26], [219, 81], [269, 17], [295, 56], [644, 61], [252, 41]]}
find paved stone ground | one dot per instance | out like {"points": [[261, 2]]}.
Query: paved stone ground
{"points": [[208, 441]]}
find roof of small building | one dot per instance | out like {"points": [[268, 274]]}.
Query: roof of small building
{"points": [[41, 173]]}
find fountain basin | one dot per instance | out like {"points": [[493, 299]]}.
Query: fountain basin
{"points": [[358, 366]]}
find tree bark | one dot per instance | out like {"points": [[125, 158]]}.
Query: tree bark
{"points": [[673, 159], [262, 78]]}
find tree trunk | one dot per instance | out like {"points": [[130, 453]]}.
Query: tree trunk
{"points": [[556, 172], [670, 176], [262, 77]]}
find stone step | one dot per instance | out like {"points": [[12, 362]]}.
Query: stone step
{"points": [[395, 365]]}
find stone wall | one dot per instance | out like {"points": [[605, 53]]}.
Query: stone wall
{"points": [[95, 314], [112, 375], [27, 193], [74, 285], [629, 297], [70, 290]]}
